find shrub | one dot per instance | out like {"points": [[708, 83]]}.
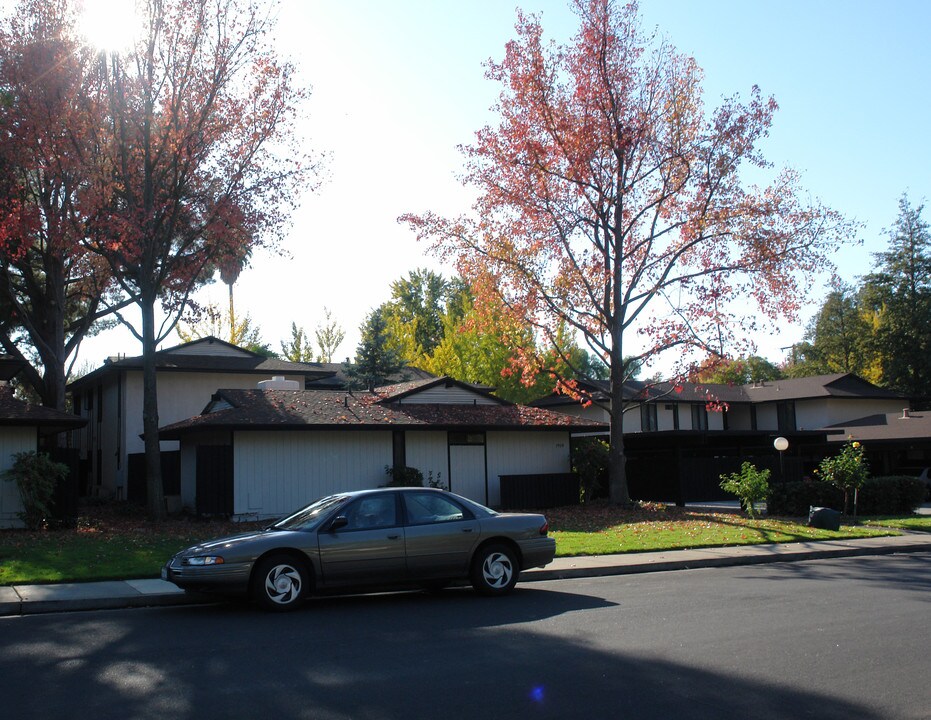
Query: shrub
{"points": [[750, 485], [404, 476], [793, 499], [36, 476], [590, 463], [891, 495]]}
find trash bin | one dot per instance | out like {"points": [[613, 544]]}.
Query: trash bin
{"points": [[823, 518]]}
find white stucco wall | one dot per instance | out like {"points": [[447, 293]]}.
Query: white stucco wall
{"points": [[12, 440]]}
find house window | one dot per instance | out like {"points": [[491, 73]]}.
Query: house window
{"points": [[699, 417], [675, 416], [461, 438], [648, 418], [753, 417], [785, 415]]}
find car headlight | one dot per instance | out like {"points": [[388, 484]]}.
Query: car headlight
{"points": [[205, 560]]}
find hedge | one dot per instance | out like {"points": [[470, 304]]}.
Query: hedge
{"points": [[892, 495]]}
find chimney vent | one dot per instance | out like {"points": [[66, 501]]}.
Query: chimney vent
{"points": [[278, 382], [905, 414]]}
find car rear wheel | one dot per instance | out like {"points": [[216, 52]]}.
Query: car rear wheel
{"points": [[281, 583], [494, 570]]}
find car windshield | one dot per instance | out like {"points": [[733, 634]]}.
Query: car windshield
{"points": [[307, 517]]}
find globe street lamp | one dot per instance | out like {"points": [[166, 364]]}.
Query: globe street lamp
{"points": [[781, 444]]}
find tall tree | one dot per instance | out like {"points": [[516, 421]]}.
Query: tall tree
{"points": [[197, 163], [837, 339], [610, 203], [898, 296], [416, 310], [376, 361], [51, 287]]}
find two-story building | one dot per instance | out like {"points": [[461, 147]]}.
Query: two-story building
{"points": [[680, 438]]}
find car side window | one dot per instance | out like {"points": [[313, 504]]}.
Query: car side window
{"points": [[427, 508], [371, 513]]}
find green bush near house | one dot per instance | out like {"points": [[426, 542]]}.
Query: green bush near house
{"points": [[890, 495], [404, 476], [36, 476], [751, 485], [793, 499]]}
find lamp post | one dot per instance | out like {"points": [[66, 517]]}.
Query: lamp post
{"points": [[781, 444]]}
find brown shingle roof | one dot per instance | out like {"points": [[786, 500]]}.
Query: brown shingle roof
{"points": [[17, 412], [840, 385], [315, 409]]}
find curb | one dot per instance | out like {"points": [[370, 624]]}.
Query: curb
{"points": [[121, 594], [711, 559]]}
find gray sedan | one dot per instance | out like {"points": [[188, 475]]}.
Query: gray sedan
{"points": [[371, 539]]}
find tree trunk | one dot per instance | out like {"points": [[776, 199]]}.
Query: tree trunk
{"points": [[153, 461]]}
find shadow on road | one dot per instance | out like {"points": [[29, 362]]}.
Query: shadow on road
{"points": [[373, 657]]}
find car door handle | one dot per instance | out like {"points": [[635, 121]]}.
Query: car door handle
{"points": [[394, 537], [466, 529]]}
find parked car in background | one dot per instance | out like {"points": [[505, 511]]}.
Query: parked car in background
{"points": [[370, 539]]}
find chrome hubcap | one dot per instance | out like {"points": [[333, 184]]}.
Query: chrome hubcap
{"points": [[497, 570], [283, 584]]}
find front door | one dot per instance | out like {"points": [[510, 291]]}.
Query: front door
{"points": [[467, 475]]}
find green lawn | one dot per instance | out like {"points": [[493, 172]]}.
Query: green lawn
{"points": [[114, 544]]}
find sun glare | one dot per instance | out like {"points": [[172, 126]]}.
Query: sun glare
{"points": [[110, 25]]}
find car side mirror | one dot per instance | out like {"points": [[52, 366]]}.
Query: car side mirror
{"points": [[339, 521]]}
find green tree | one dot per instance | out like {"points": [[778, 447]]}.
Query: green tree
{"points": [[838, 339], [482, 346], [897, 296], [847, 470], [416, 311], [738, 371], [329, 335], [297, 349], [376, 362]]}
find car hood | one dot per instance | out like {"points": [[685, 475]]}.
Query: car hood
{"points": [[230, 542]]}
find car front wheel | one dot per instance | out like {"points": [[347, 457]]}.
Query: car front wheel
{"points": [[281, 583], [494, 570]]}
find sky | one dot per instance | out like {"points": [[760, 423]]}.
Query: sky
{"points": [[398, 85]]}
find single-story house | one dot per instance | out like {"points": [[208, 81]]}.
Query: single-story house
{"points": [[261, 453], [22, 427]]}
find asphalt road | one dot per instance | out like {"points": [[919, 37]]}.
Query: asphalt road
{"points": [[832, 639]]}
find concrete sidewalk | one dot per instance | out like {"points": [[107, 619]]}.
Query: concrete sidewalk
{"points": [[69, 597]]}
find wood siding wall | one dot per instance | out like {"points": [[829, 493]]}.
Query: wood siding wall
{"points": [[278, 472], [524, 453]]}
